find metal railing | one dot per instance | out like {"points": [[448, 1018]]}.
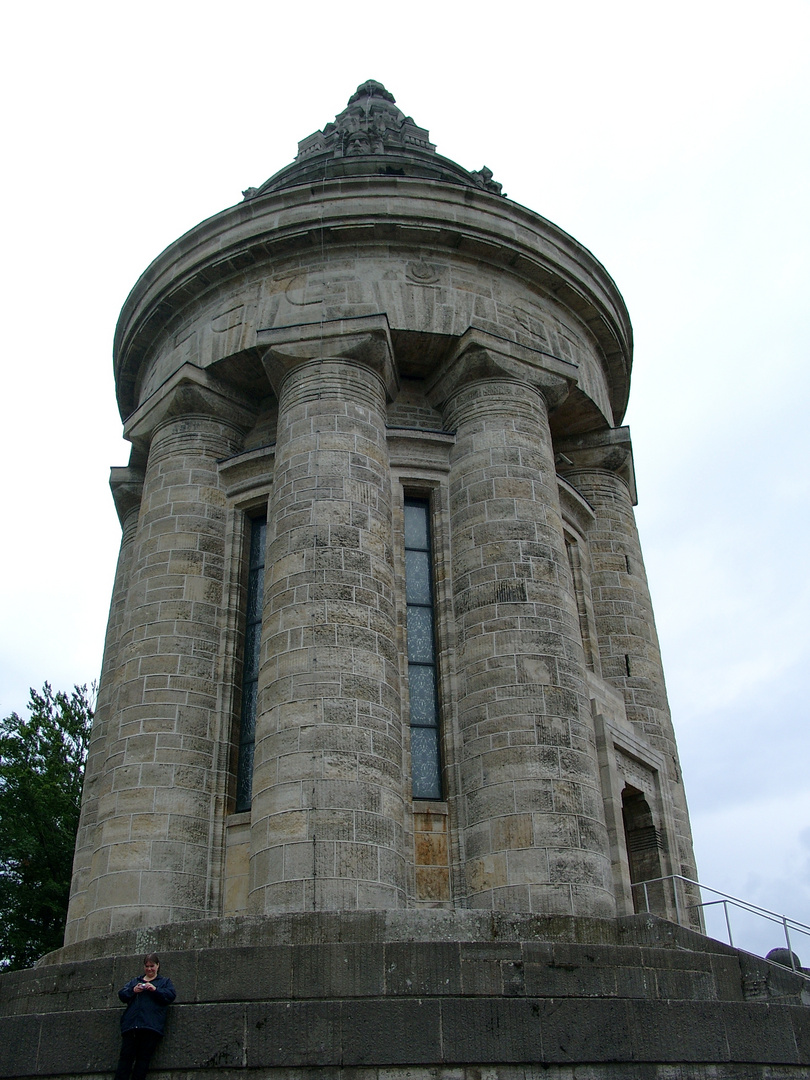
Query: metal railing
{"points": [[726, 900]]}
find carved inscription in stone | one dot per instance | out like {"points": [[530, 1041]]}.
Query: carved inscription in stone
{"points": [[227, 320], [421, 273], [304, 290]]}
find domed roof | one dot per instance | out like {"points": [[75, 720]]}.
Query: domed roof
{"points": [[372, 137]]}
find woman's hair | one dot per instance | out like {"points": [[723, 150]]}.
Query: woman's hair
{"points": [[152, 958]]}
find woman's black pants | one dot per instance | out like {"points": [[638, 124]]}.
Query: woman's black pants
{"points": [[137, 1047]]}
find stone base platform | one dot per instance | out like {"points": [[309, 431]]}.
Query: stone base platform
{"points": [[418, 995]]}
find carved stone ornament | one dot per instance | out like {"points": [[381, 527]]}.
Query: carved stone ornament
{"points": [[191, 391], [611, 451], [371, 137], [422, 273], [371, 123], [483, 179]]}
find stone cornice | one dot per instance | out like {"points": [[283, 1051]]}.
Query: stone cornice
{"points": [[373, 211], [576, 510], [413, 448], [251, 472], [248, 473]]}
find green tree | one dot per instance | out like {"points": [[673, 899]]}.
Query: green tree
{"points": [[41, 770]]}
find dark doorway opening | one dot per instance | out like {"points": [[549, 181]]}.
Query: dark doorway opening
{"points": [[643, 842]]}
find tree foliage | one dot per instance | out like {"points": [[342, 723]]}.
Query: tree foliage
{"points": [[41, 770]]}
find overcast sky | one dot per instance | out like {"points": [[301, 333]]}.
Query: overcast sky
{"points": [[671, 140]]}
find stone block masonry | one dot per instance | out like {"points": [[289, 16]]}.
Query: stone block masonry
{"points": [[387, 804], [529, 774], [329, 807], [314, 358], [420, 994]]}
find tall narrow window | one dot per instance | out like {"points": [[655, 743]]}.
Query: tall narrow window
{"points": [[424, 699], [250, 669]]}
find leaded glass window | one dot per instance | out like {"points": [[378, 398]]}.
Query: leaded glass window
{"points": [[250, 668], [423, 691]]}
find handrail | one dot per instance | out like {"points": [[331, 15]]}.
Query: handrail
{"points": [[785, 921]]}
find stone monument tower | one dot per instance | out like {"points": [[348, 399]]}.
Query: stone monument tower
{"points": [[382, 730], [381, 635]]}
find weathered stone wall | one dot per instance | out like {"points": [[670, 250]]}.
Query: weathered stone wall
{"points": [[152, 844], [405, 994], [431, 257], [628, 641], [332, 351], [106, 713], [376, 323], [329, 792], [535, 837]]}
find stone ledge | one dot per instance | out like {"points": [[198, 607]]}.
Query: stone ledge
{"points": [[403, 970], [301, 928], [301, 957]]}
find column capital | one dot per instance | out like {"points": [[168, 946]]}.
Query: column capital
{"points": [[126, 484], [365, 340], [608, 451], [191, 391], [480, 355]]}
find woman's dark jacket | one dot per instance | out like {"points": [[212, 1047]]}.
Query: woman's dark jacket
{"points": [[147, 1009]]}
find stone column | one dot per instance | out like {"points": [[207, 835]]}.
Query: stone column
{"points": [[602, 471], [127, 486], [328, 808], [151, 859], [535, 836]]}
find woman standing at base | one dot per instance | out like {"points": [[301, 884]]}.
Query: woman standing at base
{"points": [[147, 997]]}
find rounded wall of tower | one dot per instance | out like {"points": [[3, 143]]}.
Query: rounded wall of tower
{"points": [[398, 701]]}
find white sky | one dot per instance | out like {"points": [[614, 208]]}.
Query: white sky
{"points": [[672, 140]]}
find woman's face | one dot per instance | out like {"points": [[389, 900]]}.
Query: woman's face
{"points": [[150, 969]]}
